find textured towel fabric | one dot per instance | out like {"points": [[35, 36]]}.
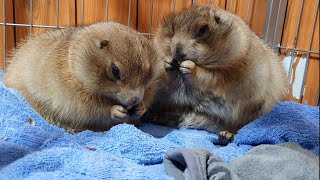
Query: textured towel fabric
{"points": [[33, 149], [287, 122], [285, 161]]}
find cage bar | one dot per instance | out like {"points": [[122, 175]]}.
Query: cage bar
{"points": [[31, 17], [276, 27], [231, 5], [57, 14], [129, 13], [308, 53], [274, 22], [28, 25], [107, 8], [299, 50], [295, 40], [82, 12], [269, 19], [174, 5], [151, 12], [248, 11]]}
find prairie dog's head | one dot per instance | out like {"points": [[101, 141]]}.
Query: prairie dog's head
{"points": [[114, 61], [204, 34]]}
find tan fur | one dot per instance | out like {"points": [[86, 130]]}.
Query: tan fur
{"points": [[226, 78], [66, 75]]}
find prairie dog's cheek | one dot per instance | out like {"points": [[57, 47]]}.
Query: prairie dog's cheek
{"points": [[197, 51]]}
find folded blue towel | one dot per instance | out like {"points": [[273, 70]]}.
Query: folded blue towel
{"points": [[287, 122], [33, 149]]}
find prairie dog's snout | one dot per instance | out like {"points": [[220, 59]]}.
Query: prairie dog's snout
{"points": [[131, 97], [182, 48], [178, 53]]}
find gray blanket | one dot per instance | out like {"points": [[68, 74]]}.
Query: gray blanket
{"points": [[285, 161]]}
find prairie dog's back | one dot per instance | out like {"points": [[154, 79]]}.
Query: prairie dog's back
{"points": [[25, 70]]}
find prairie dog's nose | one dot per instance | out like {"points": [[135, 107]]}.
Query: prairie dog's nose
{"points": [[136, 97], [178, 54], [134, 101]]}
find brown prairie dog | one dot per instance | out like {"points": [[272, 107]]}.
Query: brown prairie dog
{"points": [[86, 78], [220, 75]]}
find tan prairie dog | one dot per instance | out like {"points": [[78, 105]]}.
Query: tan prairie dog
{"points": [[220, 75], [86, 78]]}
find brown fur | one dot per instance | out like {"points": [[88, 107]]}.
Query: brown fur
{"points": [[66, 75], [226, 77]]}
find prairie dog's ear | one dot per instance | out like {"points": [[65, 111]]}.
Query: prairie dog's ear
{"points": [[215, 17], [104, 44]]}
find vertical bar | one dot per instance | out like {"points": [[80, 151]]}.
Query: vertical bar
{"points": [[269, 19], [107, 8], [82, 12], [231, 5], [247, 18], [31, 17], [57, 14], [308, 54], [4, 35], [193, 2], [174, 5], [295, 40], [129, 15], [276, 27], [318, 99], [151, 12]]}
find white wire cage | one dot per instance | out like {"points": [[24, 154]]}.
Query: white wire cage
{"points": [[272, 34]]}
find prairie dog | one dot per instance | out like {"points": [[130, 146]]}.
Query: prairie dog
{"points": [[86, 78], [219, 74]]}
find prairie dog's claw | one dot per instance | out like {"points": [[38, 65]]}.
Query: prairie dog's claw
{"points": [[119, 113], [138, 110], [187, 67], [226, 135]]}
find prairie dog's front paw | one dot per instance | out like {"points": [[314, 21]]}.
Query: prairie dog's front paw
{"points": [[119, 113], [187, 67], [171, 65], [226, 136], [137, 111]]}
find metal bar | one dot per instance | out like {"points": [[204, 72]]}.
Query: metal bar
{"points": [[152, 34], [278, 25], [193, 2], [300, 50], [318, 99], [308, 54], [151, 12], [129, 15], [4, 35], [107, 10], [33, 25], [276, 28], [57, 14], [174, 5], [295, 40], [249, 3], [31, 17], [82, 12], [269, 19], [231, 5]]}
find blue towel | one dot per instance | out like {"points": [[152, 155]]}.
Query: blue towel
{"points": [[287, 122], [33, 149]]}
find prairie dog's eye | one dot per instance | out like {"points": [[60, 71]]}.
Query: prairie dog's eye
{"points": [[203, 31], [116, 72]]}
